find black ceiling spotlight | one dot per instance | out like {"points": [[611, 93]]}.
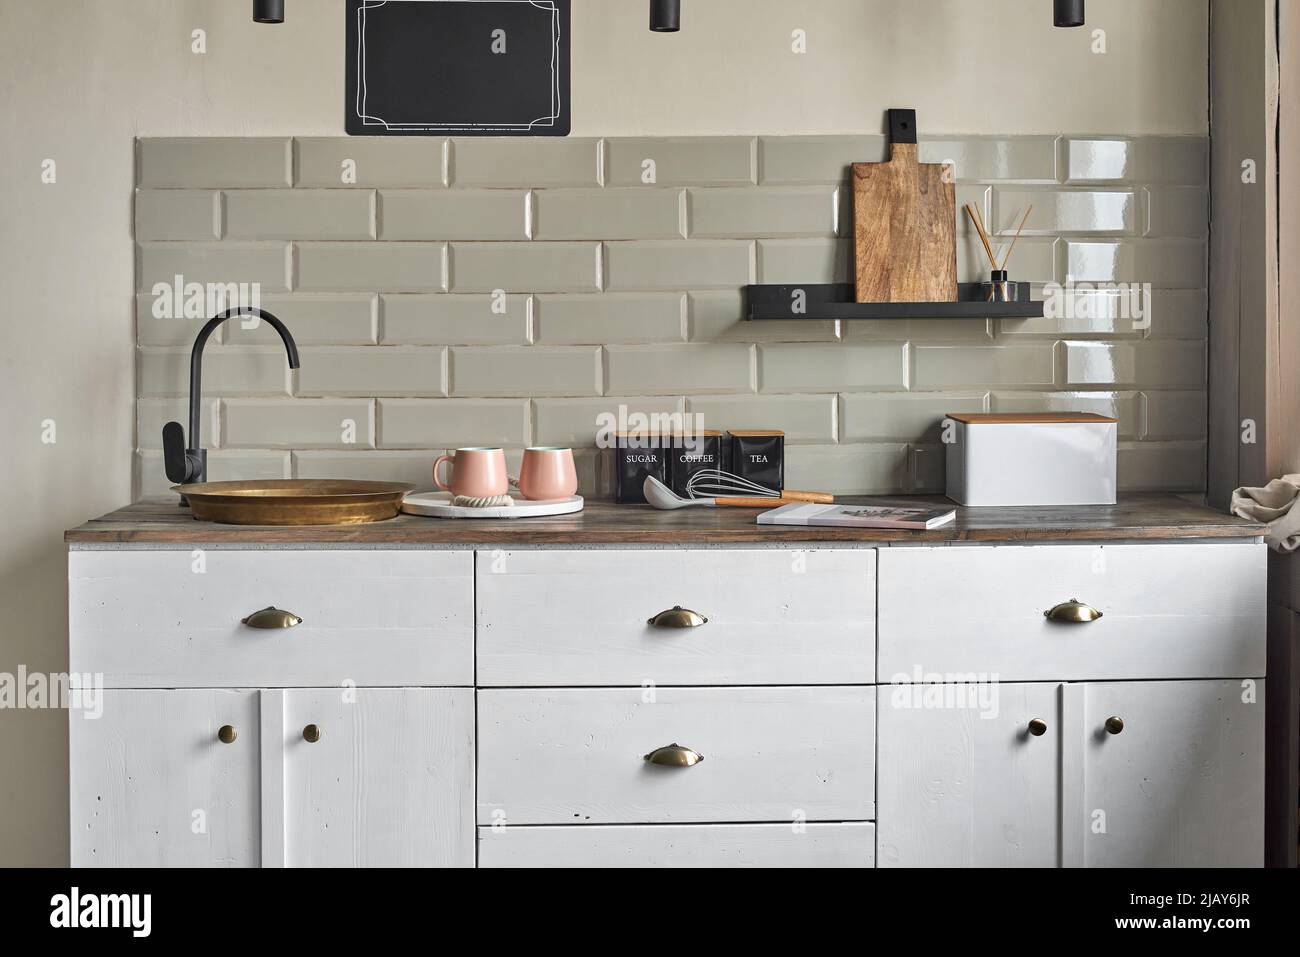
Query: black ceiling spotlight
{"points": [[268, 11], [1068, 13], [665, 16]]}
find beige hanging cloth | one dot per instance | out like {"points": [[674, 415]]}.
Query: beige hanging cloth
{"points": [[1277, 505]]}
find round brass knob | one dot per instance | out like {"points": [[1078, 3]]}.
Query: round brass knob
{"points": [[226, 734], [1038, 727], [1114, 725], [311, 733]]}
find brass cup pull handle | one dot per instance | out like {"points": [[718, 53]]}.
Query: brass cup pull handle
{"points": [[1037, 727], [226, 734], [674, 756], [1072, 612], [1114, 724], [677, 617], [311, 733], [272, 617]]}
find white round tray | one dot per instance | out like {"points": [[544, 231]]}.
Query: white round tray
{"points": [[438, 505]]}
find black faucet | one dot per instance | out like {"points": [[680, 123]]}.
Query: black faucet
{"points": [[188, 465]]}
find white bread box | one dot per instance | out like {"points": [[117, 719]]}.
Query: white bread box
{"points": [[1048, 458]]}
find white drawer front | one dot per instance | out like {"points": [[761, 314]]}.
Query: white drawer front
{"points": [[576, 756], [678, 845], [152, 619], [1168, 611], [775, 616]]}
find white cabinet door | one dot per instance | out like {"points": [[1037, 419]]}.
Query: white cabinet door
{"points": [[153, 784], [962, 782], [1181, 785], [388, 782]]}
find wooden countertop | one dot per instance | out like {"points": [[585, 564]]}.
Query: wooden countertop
{"points": [[1152, 517]]}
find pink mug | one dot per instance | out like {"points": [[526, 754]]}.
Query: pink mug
{"points": [[476, 473], [548, 474]]}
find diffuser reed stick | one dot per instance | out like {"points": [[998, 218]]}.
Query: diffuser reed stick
{"points": [[974, 215], [1023, 219]]}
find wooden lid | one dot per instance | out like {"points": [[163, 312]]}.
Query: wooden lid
{"points": [[1027, 418], [757, 433]]}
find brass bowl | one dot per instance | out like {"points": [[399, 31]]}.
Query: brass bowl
{"points": [[295, 501]]}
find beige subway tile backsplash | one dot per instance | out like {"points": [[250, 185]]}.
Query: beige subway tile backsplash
{"points": [[372, 267], [798, 160], [689, 264], [370, 161], [612, 317], [909, 417], [373, 371], [300, 214], [525, 267], [609, 214], [315, 319], [193, 214], [242, 371], [577, 422], [832, 367], [532, 162], [226, 264], [805, 419], [794, 211], [688, 161], [1155, 159], [453, 214], [511, 291], [525, 371], [965, 366], [213, 162], [456, 320], [675, 369], [297, 423], [453, 423]]}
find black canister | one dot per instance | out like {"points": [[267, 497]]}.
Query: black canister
{"points": [[758, 455], [637, 455], [695, 452]]}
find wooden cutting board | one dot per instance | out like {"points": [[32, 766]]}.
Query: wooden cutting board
{"points": [[905, 223]]}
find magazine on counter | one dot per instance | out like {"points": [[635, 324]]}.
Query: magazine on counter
{"points": [[860, 516]]}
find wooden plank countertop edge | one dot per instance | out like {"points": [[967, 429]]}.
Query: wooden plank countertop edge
{"points": [[1136, 517]]}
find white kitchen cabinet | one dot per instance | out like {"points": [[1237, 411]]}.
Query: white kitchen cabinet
{"points": [[441, 707], [963, 781], [1181, 785], [384, 778], [153, 784]]}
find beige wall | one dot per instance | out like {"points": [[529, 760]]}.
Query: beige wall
{"points": [[81, 78]]}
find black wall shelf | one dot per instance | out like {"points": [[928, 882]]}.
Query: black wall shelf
{"points": [[835, 301]]}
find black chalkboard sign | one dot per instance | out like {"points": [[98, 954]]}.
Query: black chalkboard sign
{"points": [[457, 67]]}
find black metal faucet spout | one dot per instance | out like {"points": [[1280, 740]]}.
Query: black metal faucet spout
{"points": [[187, 463]]}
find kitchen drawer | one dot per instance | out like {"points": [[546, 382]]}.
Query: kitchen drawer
{"points": [[775, 616], [1168, 611], [152, 619], [680, 845], [577, 756]]}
